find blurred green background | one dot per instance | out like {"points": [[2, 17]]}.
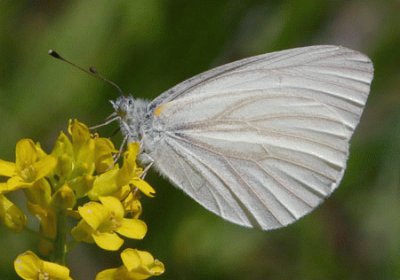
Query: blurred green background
{"points": [[148, 46]]}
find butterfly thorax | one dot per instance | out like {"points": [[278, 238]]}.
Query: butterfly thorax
{"points": [[132, 114]]}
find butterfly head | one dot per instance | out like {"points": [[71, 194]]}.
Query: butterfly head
{"points": [[123, 105], [131, 113]]}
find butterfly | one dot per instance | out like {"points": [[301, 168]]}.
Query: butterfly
{"points": [[261, 141]]}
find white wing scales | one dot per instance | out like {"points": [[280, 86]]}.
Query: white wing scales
{"points": [[262, 141]]}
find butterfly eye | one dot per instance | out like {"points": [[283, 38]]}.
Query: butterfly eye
{"points": [[130, 102]]}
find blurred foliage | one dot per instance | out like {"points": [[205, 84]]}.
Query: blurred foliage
{"points": [[147, 46]]}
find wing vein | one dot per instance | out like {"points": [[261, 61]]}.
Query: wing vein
{"points": [[237, 175]]}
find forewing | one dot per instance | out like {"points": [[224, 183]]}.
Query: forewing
{"points": [[262, 141]]}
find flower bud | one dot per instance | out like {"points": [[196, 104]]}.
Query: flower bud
{"points": [[64, 198]]}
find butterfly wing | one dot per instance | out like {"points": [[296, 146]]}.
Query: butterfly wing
{"points": [[262, 141]]}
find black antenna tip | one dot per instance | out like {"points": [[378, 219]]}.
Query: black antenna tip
{"points": [[53, 53]]}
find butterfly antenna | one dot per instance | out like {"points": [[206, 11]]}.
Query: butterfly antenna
{"points": [[92, 71]]}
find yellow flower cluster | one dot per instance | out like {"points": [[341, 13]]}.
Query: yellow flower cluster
{"points": [[78, 179]]}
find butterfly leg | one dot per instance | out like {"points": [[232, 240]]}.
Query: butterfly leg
{"points": [[121, 148], [111, 118], [147, 161]]}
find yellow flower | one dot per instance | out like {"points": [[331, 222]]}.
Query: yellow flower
{"points": [[31, 164], [80, 158], [30, 267], [113, 180], [63, 151], [11, 215], [138, 265], [130, 173], [63, 198], [101, 222], [80, 167], [83, 146]]}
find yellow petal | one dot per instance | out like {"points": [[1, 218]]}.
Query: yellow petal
{"points": [[146, 258], [25, 154], [55, 271], [123, 192], [83, 232], [82, 185], [108, 274], [7, 168], [39, 193], [113, 205], [15, 183], [156, 268], [153, 268], [105, 184], [85, 157], [63, 151], [131, 259], [94, 214], [133, 150], [44, 166], [133, 228], [108, 241], [104, 150], [127, 171], [39, 151], [83, 147], [143, 186], [27, 265], [11, 215], [62, 145], [79, 132]]}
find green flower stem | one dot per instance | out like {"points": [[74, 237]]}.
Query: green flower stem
{"points": [[60, 247]]}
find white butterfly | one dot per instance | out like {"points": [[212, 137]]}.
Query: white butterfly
{"points": [[260, 141]]}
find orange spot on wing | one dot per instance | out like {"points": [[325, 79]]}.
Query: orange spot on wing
{"points": [[158, 110]]}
